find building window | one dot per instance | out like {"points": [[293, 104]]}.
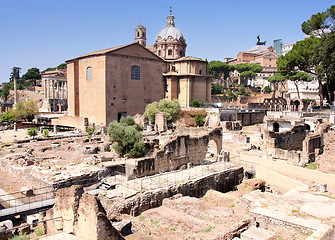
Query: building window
{"points": [[181, 53], [169, 52], [159, 52], [135, 72], [89, 73]]}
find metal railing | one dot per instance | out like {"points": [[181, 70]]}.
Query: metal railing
{"points": [[166, 179]]}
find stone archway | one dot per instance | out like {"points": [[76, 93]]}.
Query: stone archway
{"points": [[212, 152]]}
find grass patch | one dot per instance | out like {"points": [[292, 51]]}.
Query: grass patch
{"points": [[232, 205], [155, 223], [172, 229], [40, 231], [20, 237], [207, 228], [141, 218], [312, 166], [304, 232], [297, 213], [180, 182]]}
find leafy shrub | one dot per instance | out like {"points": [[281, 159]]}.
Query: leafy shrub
{"points": [[40, 231], [46, 133], [90, 131], [128, 137], [197, 104], [32, 132], [171, 108], [26, 110], [267, 89], [8, 117], [199, 120], [20, 237], [217, 88]]}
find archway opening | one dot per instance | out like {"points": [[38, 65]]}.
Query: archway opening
{"points": [[276, 127], [212, 151], [308, 127]]}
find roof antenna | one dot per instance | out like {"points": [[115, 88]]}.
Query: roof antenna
{"points": [[170, 11]]}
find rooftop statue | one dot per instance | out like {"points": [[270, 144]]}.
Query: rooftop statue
{"points": [[259, 41]]}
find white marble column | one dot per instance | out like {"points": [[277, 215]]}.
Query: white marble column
{"points": [[62, 90], [57, 91], [48, 91], [45, 88], [53, 89], [15, 91]]}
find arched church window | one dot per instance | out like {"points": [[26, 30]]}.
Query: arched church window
{"points": [[138, 34], [135, 72], [170, 52], [89, 73]]}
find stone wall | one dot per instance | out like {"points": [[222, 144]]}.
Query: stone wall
{"points": [[23, 173], [223, 181], [182, 150], [82, 214], [287, 140], [77, 122], [250, 118], [293, 157]]}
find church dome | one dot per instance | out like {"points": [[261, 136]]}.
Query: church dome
{"points": [[172, 31]]}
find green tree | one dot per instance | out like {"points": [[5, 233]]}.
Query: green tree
{"points": [[319, 55], [199, 120], [26, 110], [217, 88], [32, 75], [128, 137], [275, 80], [8, 117], [62, 66], [15, 73], [32, 132], [220, 69], [49, 69], [301, 58], [324, 59], [151, 110], [171, 108], [319, 23], [5, 91], [298, 77], [248, 71]]}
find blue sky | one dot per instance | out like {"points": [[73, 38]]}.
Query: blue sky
{"points": [[45, 33]]}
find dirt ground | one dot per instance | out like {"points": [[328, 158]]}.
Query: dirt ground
{"points": [[214, 216]]}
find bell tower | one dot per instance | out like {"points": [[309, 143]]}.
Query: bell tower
{"points": [[140, 35]]}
